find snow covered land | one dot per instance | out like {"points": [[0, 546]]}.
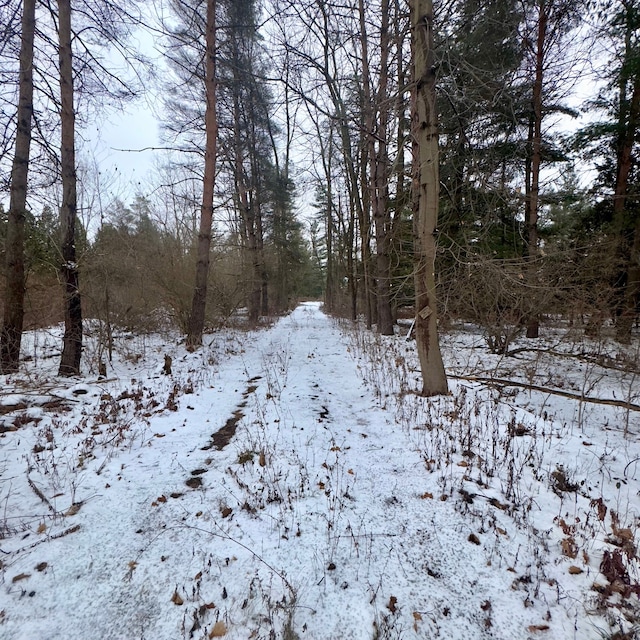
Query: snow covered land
{"points": [[289, 483]]}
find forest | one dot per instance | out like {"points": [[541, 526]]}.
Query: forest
{"points": [[356, 355], [290, 164]]}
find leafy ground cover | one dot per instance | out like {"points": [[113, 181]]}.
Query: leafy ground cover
{"points": [[289, 483]]}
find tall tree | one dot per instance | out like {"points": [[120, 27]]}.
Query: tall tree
{"points": [[626, 213], [613, 143], [198, 307], [11, 335], [72, 341], [426, 192], [544, 42]]}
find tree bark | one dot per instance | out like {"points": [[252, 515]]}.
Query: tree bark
{"points": [[627, 284], [426, 189], [378, 164], [533, 168], [199, 303], [72, 341], [13, 317]]}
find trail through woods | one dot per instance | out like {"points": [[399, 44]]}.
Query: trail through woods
{"points": [[268, 488]]}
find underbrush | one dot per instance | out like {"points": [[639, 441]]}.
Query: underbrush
{"points": [[549, 448]]}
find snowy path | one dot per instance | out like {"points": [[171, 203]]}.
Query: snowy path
{"points": [[318, 519]]}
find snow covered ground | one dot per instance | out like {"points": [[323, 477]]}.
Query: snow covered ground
{"points": [[289, 483]]}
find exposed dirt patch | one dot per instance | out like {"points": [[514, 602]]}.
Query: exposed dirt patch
{"points": [[221, 438]]}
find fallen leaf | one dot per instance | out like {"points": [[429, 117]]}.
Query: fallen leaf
{"points": [[41, 566], [417, 615], [350, 471], [463, 463], [176, 599], [569, 547], [473, 538], [392, 604], [73, 509], [262, 460], [335, 449], [21, 576], [162, 499], [502, 532], [219, 630], [426, 495], [575, 571], [42, 527], [538, 627], [226, 512]]}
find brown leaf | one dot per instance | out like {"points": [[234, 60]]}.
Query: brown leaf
{"points": [[176, 599], [392, 604], [73, 509], [569, 547], [575, 571], [473, 538], [600, 507], [538, 627], [226, 512], [42, 527], [262, 460], [426, 495], [162, 499], [219, 630], [21, 576]]}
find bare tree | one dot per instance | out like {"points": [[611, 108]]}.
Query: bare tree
{"points": [[11, 335], [198, 307], [425, 195], [72, 341]]}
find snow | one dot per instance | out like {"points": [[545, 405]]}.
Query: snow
{"points": [[326, 499]]}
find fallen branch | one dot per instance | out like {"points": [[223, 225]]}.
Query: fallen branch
{"points": [[604, 361], [39, 493], [558, 392]]}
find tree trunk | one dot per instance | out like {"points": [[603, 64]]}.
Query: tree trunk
{"points": [[378, 165], [72, 341], [533, 171], [628, 231], [199, 303], [426, 195], [13, 317]]}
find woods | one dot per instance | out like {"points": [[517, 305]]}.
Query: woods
{"points": [[390, 158]]}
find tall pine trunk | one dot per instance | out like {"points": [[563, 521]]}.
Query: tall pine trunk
{"points": [[72, 341], [378, 165], [534, 162], [628, 230], [11, 335], [426, 191], [199, 303]]}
